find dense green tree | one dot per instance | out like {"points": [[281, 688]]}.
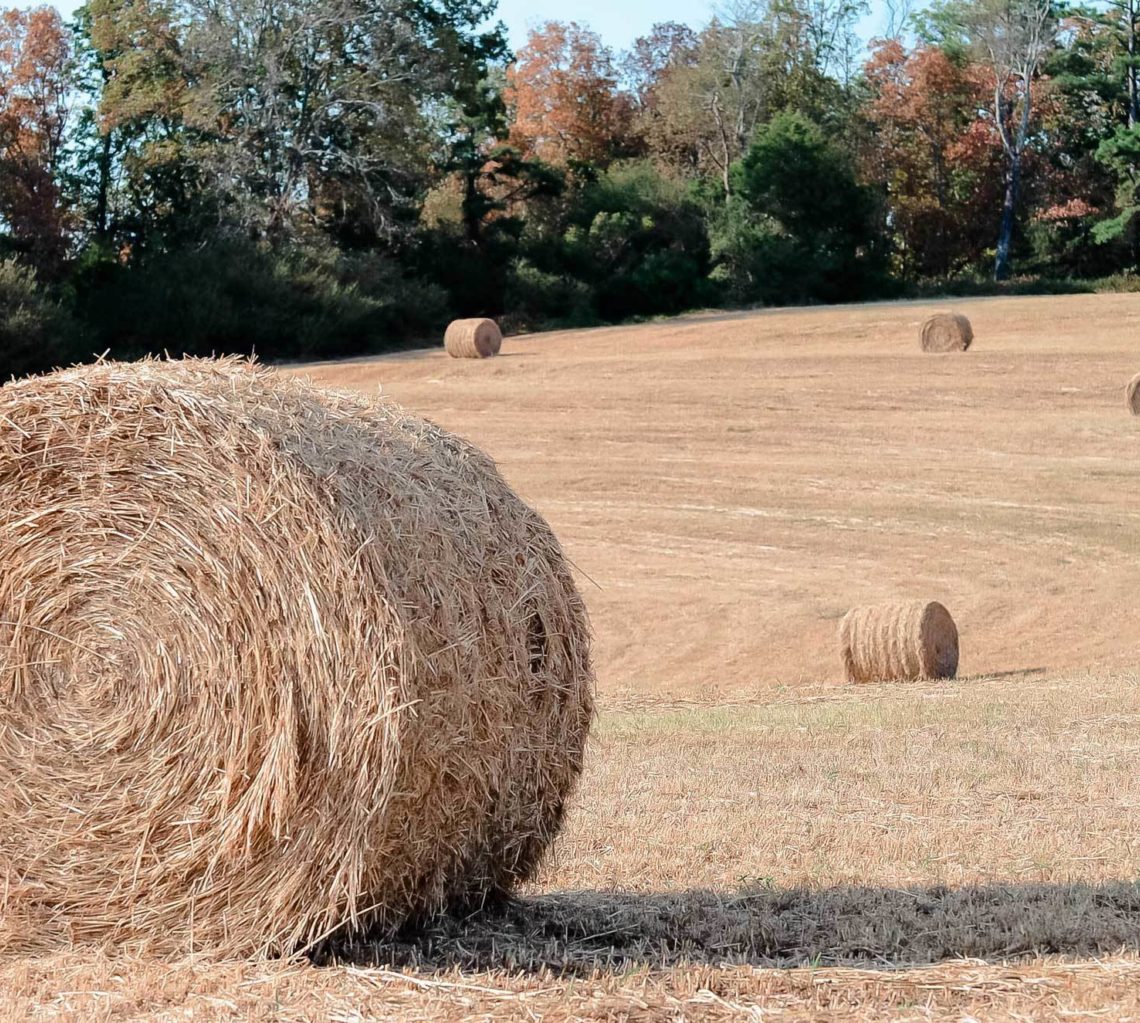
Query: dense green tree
{"points": [[36, 333], [136, 145], [631, 242], [812, 227], [1120, 153]]}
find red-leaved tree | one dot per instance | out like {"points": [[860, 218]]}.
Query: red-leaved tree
{"points": [[35, 63], [564, 99], [936, 149]]}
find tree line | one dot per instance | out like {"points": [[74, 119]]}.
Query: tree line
{"points": [[316, 178]]}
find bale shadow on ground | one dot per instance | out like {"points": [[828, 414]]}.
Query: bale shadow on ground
{"points": [[580, 933], [998, 676]]}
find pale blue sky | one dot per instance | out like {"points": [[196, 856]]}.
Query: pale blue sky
{"points": [[618, 22]]}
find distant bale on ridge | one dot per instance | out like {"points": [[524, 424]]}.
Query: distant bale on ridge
{"points": [[905, 641], [1132, 395], [947, 332], [473, 339], [274, 662]]}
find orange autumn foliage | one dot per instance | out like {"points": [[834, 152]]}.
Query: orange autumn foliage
{"points": [[35, 57], [937, 150], [562, 91]]}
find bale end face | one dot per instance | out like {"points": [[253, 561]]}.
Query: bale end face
{"points": [[939, 642], [947, 332], [473, 339], [1132, 395], [910, 641]]}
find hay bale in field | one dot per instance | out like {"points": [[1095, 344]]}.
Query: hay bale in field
{"points": [[899, 642], [1132, 395], [947, 332], [473, 339], [274, 661]]}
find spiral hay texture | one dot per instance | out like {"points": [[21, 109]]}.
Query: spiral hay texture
{"points": [[899, 642], [1132, 395], [473, 339], [274, 662], [947, 332]]}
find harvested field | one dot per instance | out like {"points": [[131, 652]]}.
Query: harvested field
{"points": [[730, 485], [928, 852], [752, 839]]}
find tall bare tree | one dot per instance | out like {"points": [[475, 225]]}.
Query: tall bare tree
{"points": [[898, 18], [830, 28], [1128, 13], [1012, 37], [735, 92]]}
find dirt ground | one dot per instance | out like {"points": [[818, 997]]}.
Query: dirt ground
{"points": [[752, 839], [730, 485]]}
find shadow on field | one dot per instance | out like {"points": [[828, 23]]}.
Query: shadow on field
{"points": [[576, 933], [997, 676]]}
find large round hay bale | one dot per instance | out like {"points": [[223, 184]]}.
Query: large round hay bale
{"points": [[899, 642], [473, 339], [947, 332], [1132, 395], [274, 662]]}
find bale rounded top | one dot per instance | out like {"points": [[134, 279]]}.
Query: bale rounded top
{"points": [[473, 339], [274, 661], [947, 332], [1132, 395]]}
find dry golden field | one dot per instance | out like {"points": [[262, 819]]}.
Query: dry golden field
{"points": [[730, 485], [753, 839]]}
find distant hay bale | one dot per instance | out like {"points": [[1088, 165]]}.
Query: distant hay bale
{"points": [[947, 332], [1132, 395], [473, 339], [899, 642], [274, 661]]}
